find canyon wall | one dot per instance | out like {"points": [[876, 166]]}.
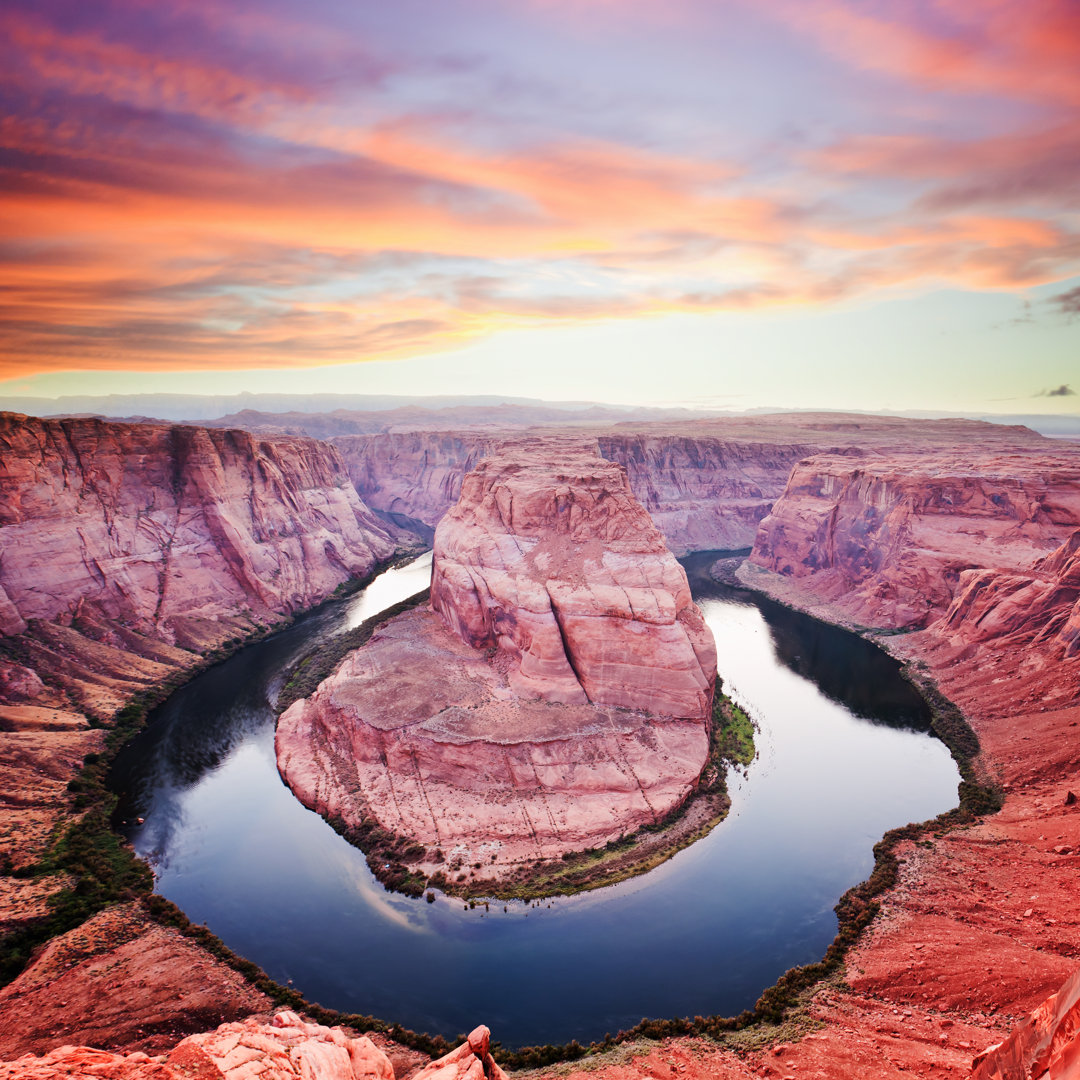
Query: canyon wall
{"points": [[414, 474], [706, 483], [702, 492], [886, 537], [125, 546]]}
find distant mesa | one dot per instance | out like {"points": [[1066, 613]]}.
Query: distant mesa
{"points": [[556, 695]]}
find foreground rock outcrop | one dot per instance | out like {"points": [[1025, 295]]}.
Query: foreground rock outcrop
{"points": [[1047, 1043], [557, 696], [284, 1048]]}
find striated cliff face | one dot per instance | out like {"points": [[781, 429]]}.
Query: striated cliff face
{"points": [[548, 556], [144, 523], [415, 474], [706, 483], [124, 545], [702, 491], [558, 696], [1040, 608], [886, 539]]}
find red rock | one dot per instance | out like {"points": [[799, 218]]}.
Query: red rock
{"points": [[570, 704], [121, 539], [886, 537], [549, 557], [287, 1049], [470, 1061], [1047, 1044]]}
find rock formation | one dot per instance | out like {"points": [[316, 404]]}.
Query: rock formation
{"points": [[886, 536], [285, 1048], [125, 546], [558, 695], [152, 525], [1046, 1044], [550, 558], [706, 483]]}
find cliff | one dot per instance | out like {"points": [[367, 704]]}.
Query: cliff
{"points": [[704, 492], [884, 538], [706, 483], [549, 557], [556, 697], [412, 475], [125, 546]]}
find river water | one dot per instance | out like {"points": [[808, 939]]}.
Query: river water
{"points": [[843, 756]]}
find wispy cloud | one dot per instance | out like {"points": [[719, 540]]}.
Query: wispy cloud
{"points": [[255, 185]]}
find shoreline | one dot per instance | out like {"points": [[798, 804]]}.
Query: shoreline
{"points": [[780, 1009]]}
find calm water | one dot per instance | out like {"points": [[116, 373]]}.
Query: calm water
{"points": [[843, 756]]}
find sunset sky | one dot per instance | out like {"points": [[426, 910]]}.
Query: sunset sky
{"points": [[734, 203]]}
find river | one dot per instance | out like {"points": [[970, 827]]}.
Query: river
{"points": [[844, 754]]}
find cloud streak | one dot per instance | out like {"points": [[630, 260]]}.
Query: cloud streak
{"points": [[196, 186]]}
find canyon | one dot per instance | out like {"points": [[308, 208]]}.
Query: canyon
{"points": [[557, 696], [953, 543]]}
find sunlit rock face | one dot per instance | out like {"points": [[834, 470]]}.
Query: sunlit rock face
{"points": [[559, 567], [150, 524], [886, 537], [287, 1048], [1046, 1044], [557, 694], [127, 550]]}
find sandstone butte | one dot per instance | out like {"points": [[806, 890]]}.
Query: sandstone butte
{"points": [[557, 694], [983, 926]]}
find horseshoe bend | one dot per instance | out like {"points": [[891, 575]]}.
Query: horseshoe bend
{"points": [[953, 544], [556, 694]]}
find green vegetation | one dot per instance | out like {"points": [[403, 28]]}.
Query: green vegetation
{"points": [[101, 868], [734, 732]]}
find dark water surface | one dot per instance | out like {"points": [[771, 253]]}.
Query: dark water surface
{"points": [[843, 756]]}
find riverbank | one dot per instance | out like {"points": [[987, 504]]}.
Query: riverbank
{"points": [[798, 997], [731, 745]]}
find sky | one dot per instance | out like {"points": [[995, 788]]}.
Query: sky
{"points": [[735, 203]]}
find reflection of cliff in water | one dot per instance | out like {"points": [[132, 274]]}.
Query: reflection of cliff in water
{"points": [[190, 734], [846, 668]]}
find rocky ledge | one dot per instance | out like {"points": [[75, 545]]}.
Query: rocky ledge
{"points": [[286, 1048], [556, 696]]}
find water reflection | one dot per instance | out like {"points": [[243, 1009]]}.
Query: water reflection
{"points": [[236, 851]]}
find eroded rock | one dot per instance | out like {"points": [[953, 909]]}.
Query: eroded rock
{"points": [[559, 698]]}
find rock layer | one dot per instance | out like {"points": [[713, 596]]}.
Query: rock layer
{"points": [[885, 537], [549, 557], [567, 704], [706, 483], [149, 525], [124, 548]]}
